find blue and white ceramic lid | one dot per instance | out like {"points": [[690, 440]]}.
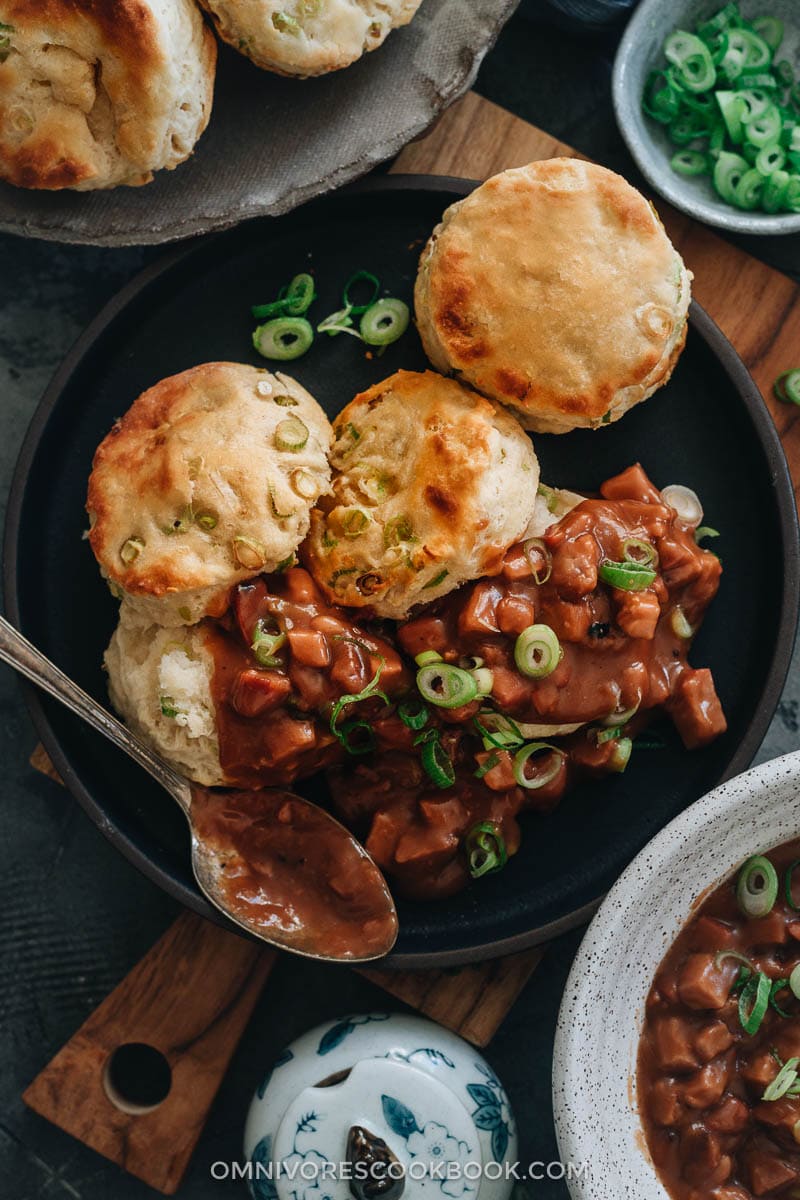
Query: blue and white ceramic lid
{"points": [[379, 1105]]}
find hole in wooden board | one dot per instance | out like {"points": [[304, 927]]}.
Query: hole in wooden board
{"points": [[137, 1078]]}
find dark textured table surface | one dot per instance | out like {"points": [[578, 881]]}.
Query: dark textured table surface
{"points": [[74, 916]]}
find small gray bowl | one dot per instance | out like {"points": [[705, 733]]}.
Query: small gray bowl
{"points": [[640, 51]]}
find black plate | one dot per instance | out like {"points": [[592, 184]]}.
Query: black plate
{"points": [[708, 428]]}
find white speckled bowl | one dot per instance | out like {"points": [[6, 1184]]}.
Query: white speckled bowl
{"points": [[640, 51], [594, 1070]]}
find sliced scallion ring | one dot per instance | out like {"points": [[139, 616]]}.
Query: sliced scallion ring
{"points": [[540, 559], [300, 295], [636, 550], [360, 277], [685, 502], [130, 550], [679, 625], [705, 531], [723, 955], [437, 762], [367, 693], [787, 885], [627, 576], [537, 651], [291, 434], [413, 714], [266, 643], [787, 386], [338, 322], [426, 657], [728, 172], [486, 849], [384, 322], [547, 769], [283, 338], [484, 680], [689, 163], [621, 755], [757, 887], [778, 986], [354, 522], [782, 1081], [794, 982], [365, 741], [445, 685], [753, 1002]]}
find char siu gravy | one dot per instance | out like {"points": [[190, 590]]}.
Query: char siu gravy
{"points": [[718, 1085]]}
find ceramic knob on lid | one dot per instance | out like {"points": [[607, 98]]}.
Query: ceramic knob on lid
{"points": [[380, 1107]]}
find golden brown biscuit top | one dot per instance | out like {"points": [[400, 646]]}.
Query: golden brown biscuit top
{"points": [[207, 479], [553, 286], [431, 485], [85, 87]]}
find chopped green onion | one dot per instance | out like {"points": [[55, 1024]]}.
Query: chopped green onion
{"points": [[693, 60], [770, 158], [689, 163], [627, 576], [775, 191], [437, 762], [283, 338], [787, 386], [168, 708], [552, 765], [426, 657], [621, 755], [787, 885], [300, 295], [753, 1002], [130, 550], [534, 548], [491, 762], [537, 651], [413, 713], [250, 554], [679, 625], [770, 29], [794, 982], [384, 322], [486, 849], [728, 172], [445, 685], [396, 531], [637, 551], [354, 522], [437, 579], [608, 735], [360, 277], [777, 987], [338, 322], [291, 434], [723, 955], [366, 693], [757, 887], [705, 531], [265, 644], [782, 1081], [484, 680], [364, 745]]}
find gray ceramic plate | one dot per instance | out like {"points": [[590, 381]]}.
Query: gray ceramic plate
{"points": [[640, 51], [274, 143]]}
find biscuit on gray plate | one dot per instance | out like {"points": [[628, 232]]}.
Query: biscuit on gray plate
{"points": [[554, 289], [207, 480], [307, 37], [431, 485], [102, 92]]}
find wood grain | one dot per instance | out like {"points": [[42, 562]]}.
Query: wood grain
{"points": [[756, 307], [472, 1001], [190, 997]]}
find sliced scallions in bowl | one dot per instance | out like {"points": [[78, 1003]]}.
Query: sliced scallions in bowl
{"points": [[730, 104]]}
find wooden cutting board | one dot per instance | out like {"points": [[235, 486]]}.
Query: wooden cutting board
{"points": [[759, 311]]}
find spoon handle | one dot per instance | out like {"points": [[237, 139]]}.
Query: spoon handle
{"points": [[18, 652]]}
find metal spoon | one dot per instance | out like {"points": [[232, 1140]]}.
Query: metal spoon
{"points": [[307, 900]]}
